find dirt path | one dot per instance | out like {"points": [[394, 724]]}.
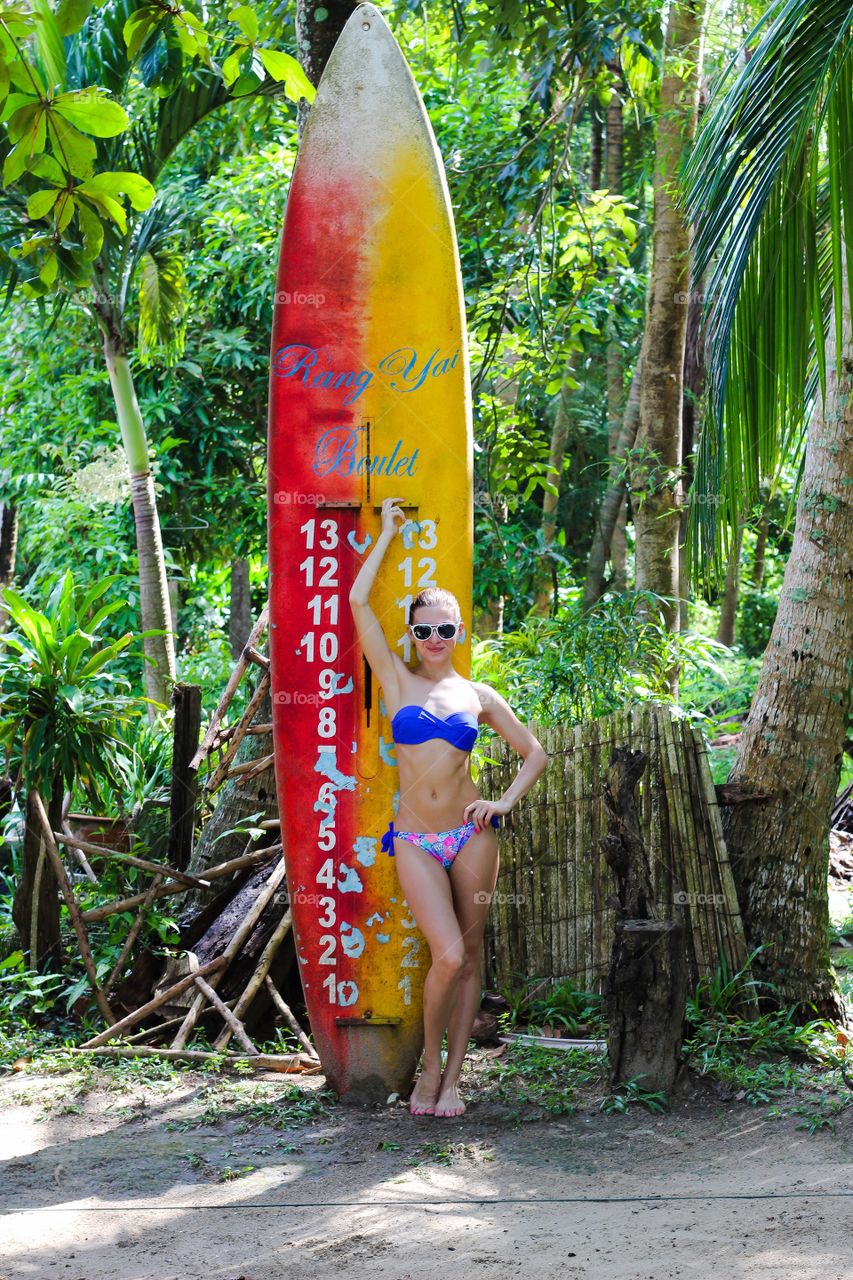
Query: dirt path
{"points": [[125, 1184]]}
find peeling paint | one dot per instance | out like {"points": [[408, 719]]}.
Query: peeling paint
{"points": [[352, 940], [364, 848], [327, 765], [349, 881]]}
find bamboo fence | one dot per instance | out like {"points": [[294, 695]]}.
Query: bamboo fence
{"points": [[550, 918]]}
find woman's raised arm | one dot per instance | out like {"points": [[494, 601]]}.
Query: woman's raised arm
{"points": [[383, 661]]}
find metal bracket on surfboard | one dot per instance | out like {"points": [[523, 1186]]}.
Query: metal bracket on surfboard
{"points": [[369, 1020]]}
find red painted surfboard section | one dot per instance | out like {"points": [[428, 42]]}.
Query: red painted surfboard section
{"points": [[369, 397]]}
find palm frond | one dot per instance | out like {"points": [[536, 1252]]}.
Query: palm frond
{"points": [[772, 200]]}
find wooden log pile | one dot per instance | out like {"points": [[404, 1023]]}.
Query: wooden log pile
{"points": [[229, 951]]}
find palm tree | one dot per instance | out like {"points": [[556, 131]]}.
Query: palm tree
{"points": [[138, 254], [770, 187]]}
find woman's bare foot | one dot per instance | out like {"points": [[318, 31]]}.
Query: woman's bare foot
{"points": [[449, 1103], [423, 1096]]}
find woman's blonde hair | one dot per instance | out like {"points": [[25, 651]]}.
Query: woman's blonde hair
{"points": [[431, 597]]}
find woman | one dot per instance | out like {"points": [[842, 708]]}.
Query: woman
{"points": [[445, 845]]}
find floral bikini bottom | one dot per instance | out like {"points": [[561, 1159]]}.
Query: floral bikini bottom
{"points": [[442, 845]]}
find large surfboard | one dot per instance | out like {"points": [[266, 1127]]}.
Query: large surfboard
{"points": [[369, 398]]}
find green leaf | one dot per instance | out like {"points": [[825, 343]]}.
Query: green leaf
{"points": [[231, 66], [282, 67], [71, 14], [15, 163], [138, 27], [138, 190], [64, 210], [91, 111], [72, 149], [246, 20], [44, 166], [109, 207], [40, 203], [92, 230], [162, 303], [49, 44]]}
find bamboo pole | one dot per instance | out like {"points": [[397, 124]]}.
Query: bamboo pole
{"points": [[230, 689], [261, 1061], [134, 933], [38, 808], [287, 1014], [145, 864], [218, 775], [247, 924], [215, 873], [139, 1036], [252, 731], [250, 767], [137, 1015], [267, 957], [222, 1009]]}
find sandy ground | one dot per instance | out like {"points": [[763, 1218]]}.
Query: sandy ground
{"points": [[118, 1185]]}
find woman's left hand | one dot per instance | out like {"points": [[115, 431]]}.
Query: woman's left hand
{"points": [[480, 812]]}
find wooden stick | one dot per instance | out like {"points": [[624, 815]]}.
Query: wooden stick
{"points": [[218, 775], [245, 928], [251, 766], [281, 932], [225, 734], [259, 659], [287, 1014], [34, 903], [139, 1036], [262, 1061], [79, 855], [171, 886], [159, 868], [230, 689], [233, 1022], [71, 902], [133, 934], [143, 1011]]}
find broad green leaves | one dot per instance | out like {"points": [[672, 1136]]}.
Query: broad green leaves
{"points": [[63, 712], [243, 69], [60, 134]]}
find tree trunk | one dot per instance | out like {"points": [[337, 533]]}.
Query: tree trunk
{"points": [[153, 587], [556, 458], [792, 742], [315, 39], [728, 610], [8, 547], [694, 386], [39, 931], [614, 499], [656, 469], [596, 148], [615, 397], [760, 550], [240, 618]]}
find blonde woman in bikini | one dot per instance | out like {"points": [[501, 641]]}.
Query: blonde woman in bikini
{"points": [[445, 845]]}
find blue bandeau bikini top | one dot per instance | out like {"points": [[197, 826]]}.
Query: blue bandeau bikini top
{"points": [[413, 723]]}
